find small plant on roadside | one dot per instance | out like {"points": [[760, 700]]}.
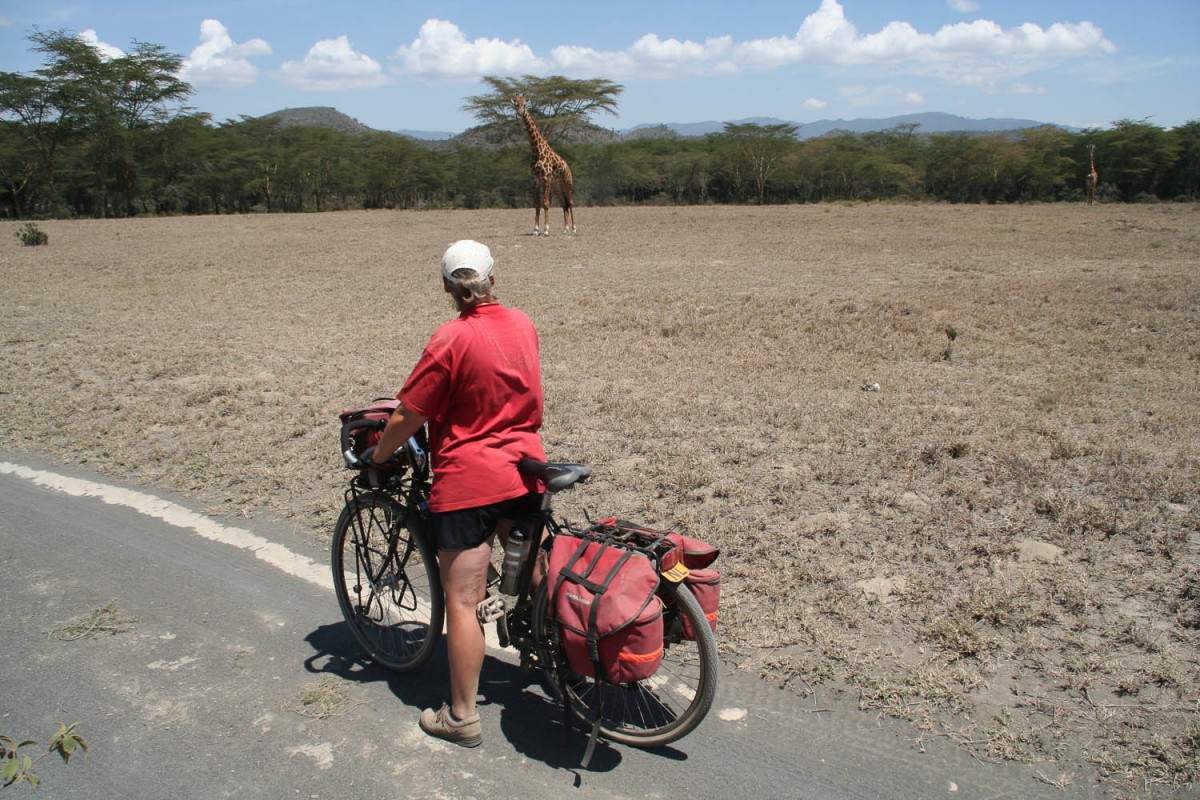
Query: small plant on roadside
{"points": [[106, 619], [31, 235], [329, 698], [18, 766]]}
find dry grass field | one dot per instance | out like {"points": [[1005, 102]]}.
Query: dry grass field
{"points": [[951, 453]]}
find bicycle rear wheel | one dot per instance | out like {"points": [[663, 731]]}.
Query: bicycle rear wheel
{"points": [[660, 709], [385, 575]]}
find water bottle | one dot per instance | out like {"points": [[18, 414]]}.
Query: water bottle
{"points": [[515, 553]]}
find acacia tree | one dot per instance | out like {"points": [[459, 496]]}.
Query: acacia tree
{"points": [[40, 111], [1048, 166], [756, 152], [1186, 173], [559, 104], [99, 106], [18, 164], [1135, 157]]}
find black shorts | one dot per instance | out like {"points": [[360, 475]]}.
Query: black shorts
{"points": [[468, 528]]}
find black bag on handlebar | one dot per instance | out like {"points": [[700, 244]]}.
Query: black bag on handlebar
{"points": [[363, 428]]}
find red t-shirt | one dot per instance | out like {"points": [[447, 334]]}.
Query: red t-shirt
{"points": [[479, 382]]}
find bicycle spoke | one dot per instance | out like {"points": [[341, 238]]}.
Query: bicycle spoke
{"points": [[391, 596], [659, 709]]}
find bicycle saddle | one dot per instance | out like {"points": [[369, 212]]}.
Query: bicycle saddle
{"points": [[555, 477]]}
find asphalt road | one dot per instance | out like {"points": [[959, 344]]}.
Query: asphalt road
{"points": [[203, 696]]}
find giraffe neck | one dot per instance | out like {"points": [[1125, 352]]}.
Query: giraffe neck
{"points": [[540, 146]]}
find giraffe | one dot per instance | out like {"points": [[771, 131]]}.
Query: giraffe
{"points": [[550, 172], [1093, 177]]}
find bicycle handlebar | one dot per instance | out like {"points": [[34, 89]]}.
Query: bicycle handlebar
{"points": [[351, 428]]}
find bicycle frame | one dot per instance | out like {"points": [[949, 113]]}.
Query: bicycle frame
{"points": [[393, 504]]}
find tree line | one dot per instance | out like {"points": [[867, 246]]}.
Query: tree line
{"points": [[86, 135]]}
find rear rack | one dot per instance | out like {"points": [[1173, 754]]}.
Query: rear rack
{"points": [[651, 543]]}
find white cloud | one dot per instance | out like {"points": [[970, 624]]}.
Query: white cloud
{"points": [[1025, 88], [106, 50], [814, 103], [979, 52], [219, 62], [872, 96], [441, 50], [332, 64]]}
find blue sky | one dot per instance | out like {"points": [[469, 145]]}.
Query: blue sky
{"points": [[408, 65]]}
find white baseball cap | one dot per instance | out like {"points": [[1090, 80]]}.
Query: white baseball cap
{"points": [[467, 254]]}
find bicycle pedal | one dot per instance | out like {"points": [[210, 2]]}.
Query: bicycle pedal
{"points": [[491, 609]]}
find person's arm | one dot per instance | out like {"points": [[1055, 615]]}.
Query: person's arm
{"points": [[403, 423]]}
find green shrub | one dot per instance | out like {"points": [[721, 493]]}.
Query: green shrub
{"points": [[31, 235]]}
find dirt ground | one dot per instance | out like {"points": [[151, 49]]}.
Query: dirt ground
{"points": [[950, 453]]}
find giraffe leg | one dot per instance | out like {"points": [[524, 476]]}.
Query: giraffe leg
{"points": [[568, 198], [546, 208], [537, 209]]}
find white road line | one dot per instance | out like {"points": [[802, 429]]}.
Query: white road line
{"points": [[276, 555], [174, 514]]}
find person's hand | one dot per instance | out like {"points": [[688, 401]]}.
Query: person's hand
{"points": [[366, 459]]}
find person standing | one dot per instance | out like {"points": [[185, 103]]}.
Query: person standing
{"points": [[478, 384]]}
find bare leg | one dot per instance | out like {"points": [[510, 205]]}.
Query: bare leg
{"points": [[464, 580]]}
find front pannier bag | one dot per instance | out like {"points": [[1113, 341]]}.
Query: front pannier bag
{"points": [[363, 428], [607, 613]]}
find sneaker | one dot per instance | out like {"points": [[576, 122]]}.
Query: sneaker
{"points": [[467, 732]]}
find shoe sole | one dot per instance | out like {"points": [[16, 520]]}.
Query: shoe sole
{"points": [[469, 741], [473, 741]]}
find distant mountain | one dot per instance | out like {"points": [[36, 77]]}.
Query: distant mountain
{"points": [[928, 122], [432, 136], [318, 117]]}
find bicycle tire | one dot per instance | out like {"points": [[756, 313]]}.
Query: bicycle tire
{"points": [[660, 709], [391, 598]]}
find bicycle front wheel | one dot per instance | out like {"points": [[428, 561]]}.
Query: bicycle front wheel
{"points": [[385, 575], [660, 709]]}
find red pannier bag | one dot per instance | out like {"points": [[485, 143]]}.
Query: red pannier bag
{"points": [[695, 555], [363, 427], [706, 586], [603, 599], [703, 580]]}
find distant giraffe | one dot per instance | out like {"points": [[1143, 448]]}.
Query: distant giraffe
{"points": [[1093, 177], [550, 172]]}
